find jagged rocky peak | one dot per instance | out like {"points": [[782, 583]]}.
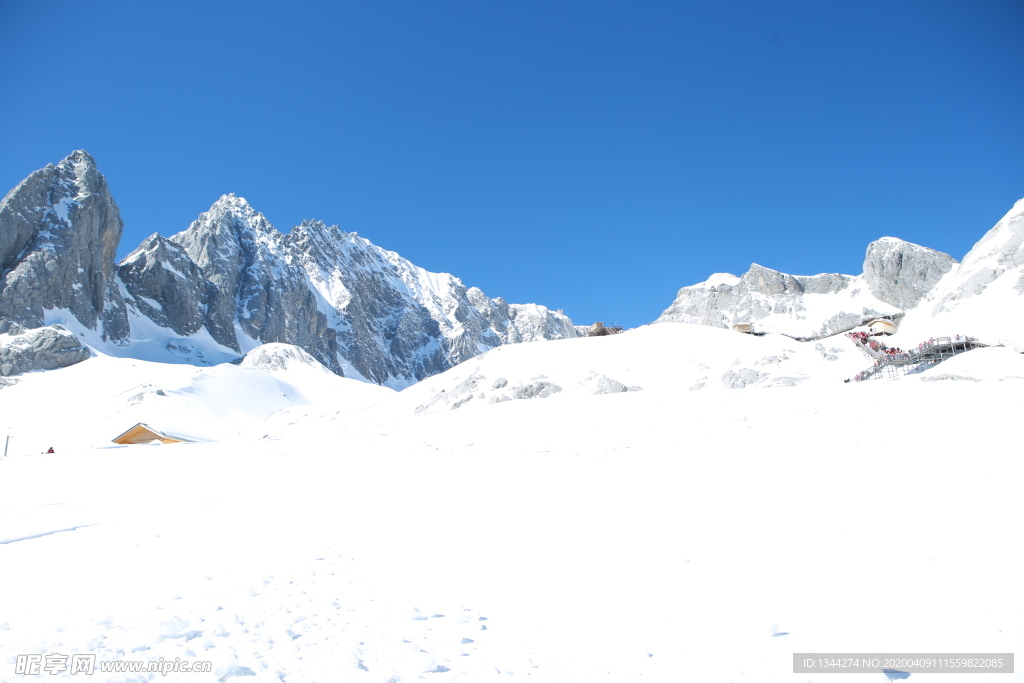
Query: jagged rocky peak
{"points": [[902, 273], [357, 308], [233, 281], [227, 237], [59, 231]]}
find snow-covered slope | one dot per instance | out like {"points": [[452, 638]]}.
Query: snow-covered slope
{"points": [[664, 535], [95, 401], [666, 359], [983, 296]]}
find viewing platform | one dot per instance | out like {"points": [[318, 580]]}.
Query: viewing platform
{"points": [[891, 363]]}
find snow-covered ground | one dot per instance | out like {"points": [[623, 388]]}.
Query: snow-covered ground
{"points": [[686, 530]]}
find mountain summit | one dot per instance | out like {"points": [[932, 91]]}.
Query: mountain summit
{"points": [[231, 282], [59, 231]]}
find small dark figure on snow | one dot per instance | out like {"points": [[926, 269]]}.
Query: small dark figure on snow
{"points": [[50, 449]]}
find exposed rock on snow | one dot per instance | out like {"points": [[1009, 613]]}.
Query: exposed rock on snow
{"points": [[535, 390], [280, 358], [805, 307], [623, 364], [926, 291], [43, 348], [897, 276], [595, 383], [741, 378], [827, 354], [59, 230], [901, 273]]}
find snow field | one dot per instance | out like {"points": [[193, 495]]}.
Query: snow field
{"points": [[652, 535]]}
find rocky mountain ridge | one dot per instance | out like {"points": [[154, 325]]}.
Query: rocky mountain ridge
{"points": [[897, 276], [231, 282]]}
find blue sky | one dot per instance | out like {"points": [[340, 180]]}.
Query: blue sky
{"points": [[592, 156]]}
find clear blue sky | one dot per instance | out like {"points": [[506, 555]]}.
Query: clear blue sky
{"points": [[594, 156]]}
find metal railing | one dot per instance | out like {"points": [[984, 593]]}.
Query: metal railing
{"points": [[892, 363]]}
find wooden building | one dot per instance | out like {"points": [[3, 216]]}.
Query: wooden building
{"points": [[143, 433], [882, 326], [745, 328]]}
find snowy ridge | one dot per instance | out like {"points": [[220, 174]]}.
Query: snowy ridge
{"points": [[673, 503], [800, 306], [231, 282], [982, 296], [348, 302], [897, 276]]}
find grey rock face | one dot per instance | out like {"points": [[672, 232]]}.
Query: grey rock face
{"points": [[249, 279], [396, 320], [897, 276], [535, 390], [771, 282], [350, 304], [59, 230], [42, 348], [168, 287], [776, 301], [901, 273], [347, 302], [726, 300]]}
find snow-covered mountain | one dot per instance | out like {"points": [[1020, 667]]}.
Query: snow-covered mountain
{"points": [[59, 231], [687, 531], [675, 502], [805, 307], [231, 282], [983, 295], [928, 291]]}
